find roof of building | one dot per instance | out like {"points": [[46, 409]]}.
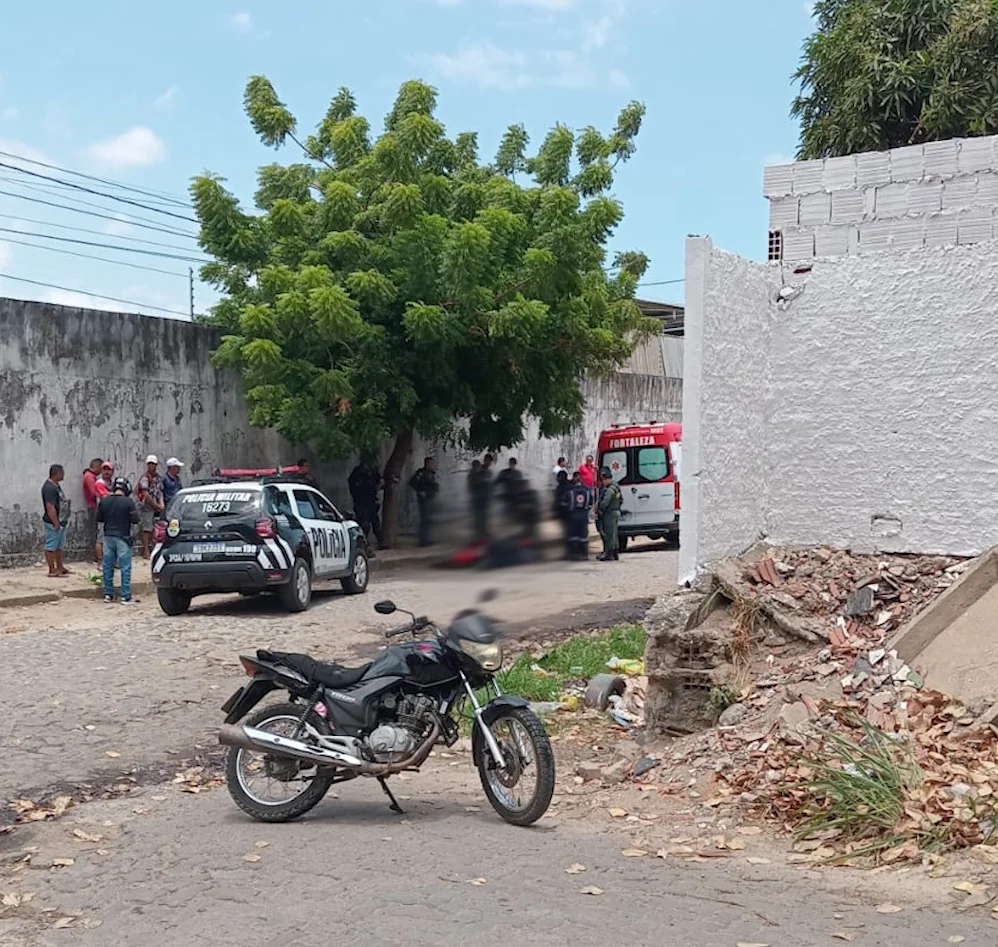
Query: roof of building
{"points": [[671, 316]]}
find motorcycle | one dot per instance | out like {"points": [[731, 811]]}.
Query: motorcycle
{"points": [[384, 718]]}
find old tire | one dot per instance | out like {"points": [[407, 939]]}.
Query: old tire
{"points": [[601, 688], [173, 601], [495, 781], [360, 574], [292, 808], [296, 594]]}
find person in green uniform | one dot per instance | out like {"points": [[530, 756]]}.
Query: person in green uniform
{"points": [[610, 501]]}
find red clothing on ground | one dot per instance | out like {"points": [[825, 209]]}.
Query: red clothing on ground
{"points": [[587, 473], [89, 488]]}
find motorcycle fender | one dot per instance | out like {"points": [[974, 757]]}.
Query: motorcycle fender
{"points": [[246, 698], [494, 708]]}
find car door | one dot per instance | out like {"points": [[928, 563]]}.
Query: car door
{"points": [[656, 498], [325, 531]]}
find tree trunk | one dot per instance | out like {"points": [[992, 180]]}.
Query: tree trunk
{"points": [[394, 488]]}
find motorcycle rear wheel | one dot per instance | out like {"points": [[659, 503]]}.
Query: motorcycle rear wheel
{"points": [[526, 746], [276, 768]]}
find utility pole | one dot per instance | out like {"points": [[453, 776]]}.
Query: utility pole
{"points": [[190, 281]]}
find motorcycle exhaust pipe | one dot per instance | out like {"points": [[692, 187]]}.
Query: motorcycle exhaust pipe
{"points": [[251, 738]]}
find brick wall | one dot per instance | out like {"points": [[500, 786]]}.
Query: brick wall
{"points": [[943, 193]]}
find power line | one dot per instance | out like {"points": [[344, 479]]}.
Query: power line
{"points": [[90, 190], [90, 256], [90, 177], [137, 221], [97, 233], [105, 246], [664, 282], [114, 299], [57, 189]]}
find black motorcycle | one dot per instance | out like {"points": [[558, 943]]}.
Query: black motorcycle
{"points": [[385, 718]]}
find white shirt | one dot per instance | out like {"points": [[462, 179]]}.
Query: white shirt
{"points": [[557, 470]]}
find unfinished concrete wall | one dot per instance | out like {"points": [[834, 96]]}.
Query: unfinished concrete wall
{"points": [[943, 193], [879, 399]]}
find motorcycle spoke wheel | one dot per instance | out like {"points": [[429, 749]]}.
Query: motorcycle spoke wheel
{"points": [[274, 780], [520, 790]]}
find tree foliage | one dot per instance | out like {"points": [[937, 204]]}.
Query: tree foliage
{"points": [[394, 284], [880, 74]]}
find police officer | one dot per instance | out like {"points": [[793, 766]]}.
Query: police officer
{"points": [[424, 484], [610, 501], [365, 481], [579, 503], [479, 492]]}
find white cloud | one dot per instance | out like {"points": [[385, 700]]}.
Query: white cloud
{"points": [[597, 33], [559, 6], [137, 146], [241, 22], [12, 147], [485, 64], [118, 228], [166, 98], [5, 254], [10, 114]]}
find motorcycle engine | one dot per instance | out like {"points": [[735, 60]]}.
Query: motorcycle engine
{"points": [[391, 742]]}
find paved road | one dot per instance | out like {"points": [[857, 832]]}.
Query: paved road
{"points": [[98, 679], [175, 874]]}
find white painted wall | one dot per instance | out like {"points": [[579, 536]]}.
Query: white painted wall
{"points": [[869, 403]]}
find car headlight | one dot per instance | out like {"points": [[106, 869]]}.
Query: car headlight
{"points": [[488, 656]]}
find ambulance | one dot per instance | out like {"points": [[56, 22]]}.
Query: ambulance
{"points": [[644, 460]]}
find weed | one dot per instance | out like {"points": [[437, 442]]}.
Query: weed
{"points": [[719, 699], [859, 787], [95, 579], [578, 658]]}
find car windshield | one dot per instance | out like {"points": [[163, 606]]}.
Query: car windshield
{"points": [[196, 506]]}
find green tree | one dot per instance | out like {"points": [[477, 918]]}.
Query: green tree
{"points": [[879, 74], [395, 285]]}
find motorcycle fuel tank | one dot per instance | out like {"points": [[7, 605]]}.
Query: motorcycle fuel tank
{"points": [[419, 662]]}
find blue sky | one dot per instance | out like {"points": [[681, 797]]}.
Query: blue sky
{"points": [[150, 94]]}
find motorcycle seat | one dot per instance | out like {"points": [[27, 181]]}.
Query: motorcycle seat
{"points": [[328, 674]]}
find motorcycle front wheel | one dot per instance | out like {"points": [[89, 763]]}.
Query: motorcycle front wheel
{"points": [[276, 788], [521, 790]]}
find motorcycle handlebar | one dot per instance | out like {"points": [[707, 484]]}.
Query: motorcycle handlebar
{"points": [[417, 624]]}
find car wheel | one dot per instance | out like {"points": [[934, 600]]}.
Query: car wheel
{"points": [[173, 602], [360, 573], [296, 595]]}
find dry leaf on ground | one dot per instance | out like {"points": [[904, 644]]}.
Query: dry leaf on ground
{"points": [[591, 889], [755, 860], [634, 853], [617, 813], [112, 754], [63, 922], [82, 836], [261, 844], [478, 882], [743, 943], [749, 830], [955, 939], [63, 862], [575, 869], [251, 858], [888, 908], [843, 935]]}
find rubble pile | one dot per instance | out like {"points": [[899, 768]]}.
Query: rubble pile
{"points": [[799, 709], [826, 594]]}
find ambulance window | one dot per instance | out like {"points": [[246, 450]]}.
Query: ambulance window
{"points": [[653, 465], [616, 460]]}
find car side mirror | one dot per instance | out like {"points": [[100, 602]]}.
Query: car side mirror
{"points": [[387, 607]]}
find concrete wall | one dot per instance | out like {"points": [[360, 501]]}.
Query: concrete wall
{"points": [[76, 384], [876, 381], [939, 194]]}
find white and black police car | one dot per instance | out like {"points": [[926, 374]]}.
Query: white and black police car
{"points": [[252, 531]]}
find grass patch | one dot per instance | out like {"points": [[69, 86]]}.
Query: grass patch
{"points": [[578, 658], [719, 700], [859, 787]]}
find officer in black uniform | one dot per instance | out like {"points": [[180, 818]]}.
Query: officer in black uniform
{"points": [[424, 484], [579, 503], [365, 481]]}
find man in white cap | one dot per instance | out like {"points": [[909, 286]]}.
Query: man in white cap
{"points": [[150, 497], [171, 481]]}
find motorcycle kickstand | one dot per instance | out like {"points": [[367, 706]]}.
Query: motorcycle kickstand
{"points": [[395, 807]]}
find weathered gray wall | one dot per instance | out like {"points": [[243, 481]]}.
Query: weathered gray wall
{"points": [[80, 383], [853, 405]]}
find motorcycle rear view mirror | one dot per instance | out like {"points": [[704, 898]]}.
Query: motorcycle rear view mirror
{"points": [[387, 607], [488, 595]]}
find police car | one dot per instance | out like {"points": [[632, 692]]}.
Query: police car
{"points": [[250, 532]]}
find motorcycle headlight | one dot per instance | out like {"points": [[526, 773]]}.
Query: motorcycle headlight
{"points": [[488, 656]]}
